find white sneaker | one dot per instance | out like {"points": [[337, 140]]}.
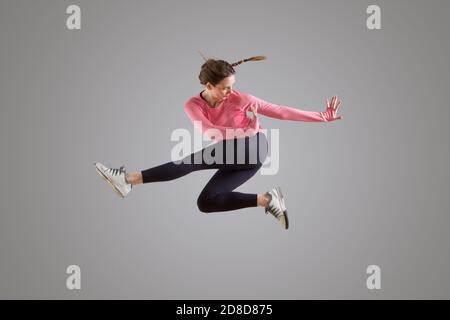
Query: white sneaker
{"points": [[115, 177], [277, 207]]}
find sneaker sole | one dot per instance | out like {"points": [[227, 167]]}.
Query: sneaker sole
{"points": [[100, 173], [282, 206]]}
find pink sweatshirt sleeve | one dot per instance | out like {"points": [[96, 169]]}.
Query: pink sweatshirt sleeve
{"points": [[195, 114], [287, 113]]}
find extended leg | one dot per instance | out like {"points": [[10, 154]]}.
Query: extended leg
{"points": [[211, 157]]}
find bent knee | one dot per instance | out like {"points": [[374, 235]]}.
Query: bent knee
{"points": [[204, 204]]}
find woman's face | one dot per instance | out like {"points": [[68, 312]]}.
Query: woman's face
{"points": [[223, 89]]}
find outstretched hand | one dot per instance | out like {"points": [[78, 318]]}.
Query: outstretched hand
{"points": [[332, 108]]}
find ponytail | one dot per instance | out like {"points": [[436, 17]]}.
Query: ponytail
{"points": [[256, 58]]}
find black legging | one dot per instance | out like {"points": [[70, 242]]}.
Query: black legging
{"points": [[218, 193]]}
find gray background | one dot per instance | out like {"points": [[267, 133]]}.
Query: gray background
{"points": [[369, 189]]}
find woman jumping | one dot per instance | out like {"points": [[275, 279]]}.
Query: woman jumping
{"points": [[220, 112]]}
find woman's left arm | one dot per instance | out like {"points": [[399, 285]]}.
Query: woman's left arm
{"points": [[287, 113]]}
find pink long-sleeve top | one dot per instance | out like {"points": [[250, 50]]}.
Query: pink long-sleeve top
{"points": [[232, 114]]}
